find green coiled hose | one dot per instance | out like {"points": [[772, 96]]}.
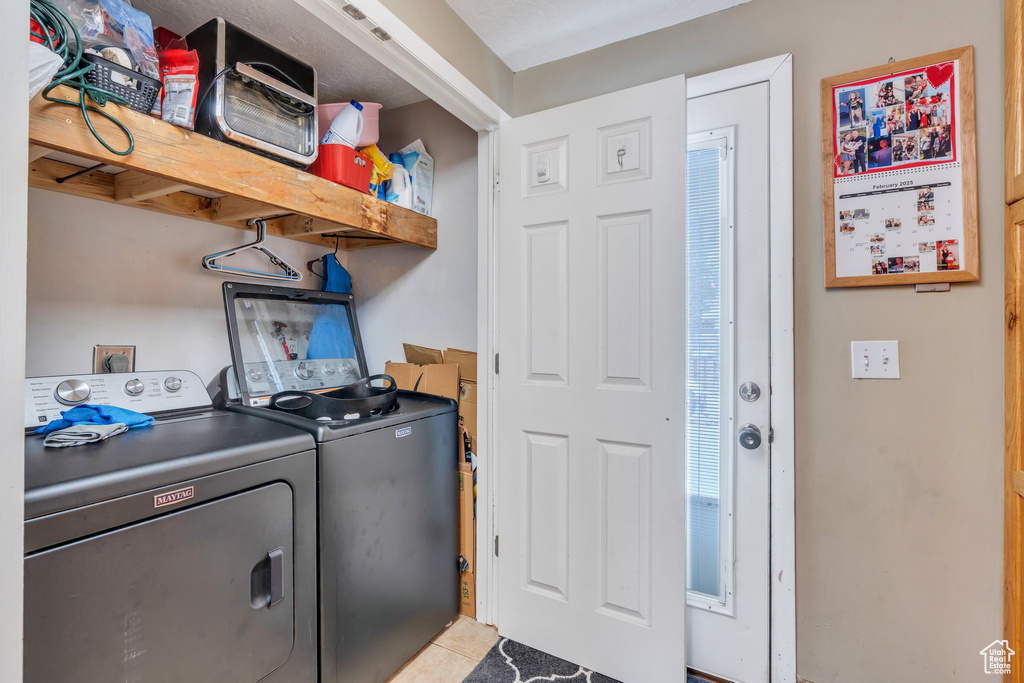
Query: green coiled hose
{"points": [[57, 30]]}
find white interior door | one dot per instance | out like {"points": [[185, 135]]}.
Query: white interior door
{"points": [[727, 271], [591, 431]]}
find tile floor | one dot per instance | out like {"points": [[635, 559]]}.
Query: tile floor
{"points": [[450, 655]]}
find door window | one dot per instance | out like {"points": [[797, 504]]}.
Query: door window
{"points": [[708, 353]]}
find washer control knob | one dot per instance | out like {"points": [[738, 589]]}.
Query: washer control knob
{"points": [[134, 387], [172, 384], [72, 391], [330, 368], [304, 370], [255, 375]]}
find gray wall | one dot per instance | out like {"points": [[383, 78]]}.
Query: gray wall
{"points": [[411, 294], [437, 23], [898, 484], [110, 274]]}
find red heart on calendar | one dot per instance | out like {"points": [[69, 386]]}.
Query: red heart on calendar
{"points": [[939, 73]]}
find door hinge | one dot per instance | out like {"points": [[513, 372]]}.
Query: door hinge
{"points": [[495, 545], [497, 365], [497, 182]]}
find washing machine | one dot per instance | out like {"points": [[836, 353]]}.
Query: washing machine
{"points": [[388, 500], [183, 551]]}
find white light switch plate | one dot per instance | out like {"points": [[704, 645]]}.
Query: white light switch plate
{"points": [[875, 359]]}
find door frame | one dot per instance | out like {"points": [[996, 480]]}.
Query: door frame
{"points": [[13, 266], [778, 73]]}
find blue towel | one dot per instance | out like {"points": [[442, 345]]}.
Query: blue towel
{"points": [[336, 278], [97, 415], [331, 336]]}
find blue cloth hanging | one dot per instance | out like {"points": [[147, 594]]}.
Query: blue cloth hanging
{"points": [[336, 278], [331, 336], [96, 415]]}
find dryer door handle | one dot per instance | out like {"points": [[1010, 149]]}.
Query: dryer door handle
{"points": [[276, 557]]}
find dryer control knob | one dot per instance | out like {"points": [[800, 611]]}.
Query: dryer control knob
{"points": [[304, 370], [330, 368], [172, 384], [134, 387], [255, 375], [72, 391]]}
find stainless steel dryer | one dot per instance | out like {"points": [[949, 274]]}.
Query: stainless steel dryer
{"points": [[184, 551], [388, 501]]}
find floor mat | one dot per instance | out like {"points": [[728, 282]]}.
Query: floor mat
{"points": [[512, 662]]}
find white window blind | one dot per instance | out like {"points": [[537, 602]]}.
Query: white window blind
{"points": [[705, 188]]}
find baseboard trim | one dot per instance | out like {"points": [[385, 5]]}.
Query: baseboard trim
{"points": [[706, 677]]}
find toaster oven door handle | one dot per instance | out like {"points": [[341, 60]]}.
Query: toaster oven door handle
{"points": [[270, 81]]}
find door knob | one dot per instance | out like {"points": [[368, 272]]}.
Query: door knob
{"points": [[750, 437]]}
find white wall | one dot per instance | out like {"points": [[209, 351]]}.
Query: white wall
{"points": [[410, 294], [100, 273], [13, 180]]}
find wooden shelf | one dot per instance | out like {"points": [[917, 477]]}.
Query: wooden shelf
{"points": [[168, 159]]}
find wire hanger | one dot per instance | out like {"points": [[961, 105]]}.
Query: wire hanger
{"points": [[310, 264], [215, 261]]}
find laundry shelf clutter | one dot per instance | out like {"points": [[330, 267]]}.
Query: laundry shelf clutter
{"points": [[169, 160]]}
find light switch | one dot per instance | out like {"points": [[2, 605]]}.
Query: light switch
{"points": [[875, 359]]}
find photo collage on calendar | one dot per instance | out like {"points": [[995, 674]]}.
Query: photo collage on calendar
{"points": [[898, 121], [897, 181]]}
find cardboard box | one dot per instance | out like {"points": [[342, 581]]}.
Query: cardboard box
{"points": [[467, 526], [439, 380], [467, 543], [466, 360], [422, 355], [467, 594]]}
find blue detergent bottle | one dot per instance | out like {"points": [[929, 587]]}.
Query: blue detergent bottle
{"points": [[396, 159]]}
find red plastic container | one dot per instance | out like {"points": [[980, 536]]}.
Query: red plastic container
{"points": [[343, 165]]}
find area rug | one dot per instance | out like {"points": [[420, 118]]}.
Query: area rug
{"points": [[512, 662]]}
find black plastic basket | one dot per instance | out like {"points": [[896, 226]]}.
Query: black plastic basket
{"points": [[140, 98]]}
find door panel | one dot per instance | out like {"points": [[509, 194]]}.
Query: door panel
{"points": [[176, 598], [728, 346], [591, 469]]}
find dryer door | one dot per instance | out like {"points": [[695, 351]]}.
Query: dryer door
{"points": [[204, 594]]}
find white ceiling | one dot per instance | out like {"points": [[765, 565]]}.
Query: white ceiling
{"points": [[344, 72], [525, 33]]}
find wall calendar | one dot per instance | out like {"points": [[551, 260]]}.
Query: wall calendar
{"points": [[899, 173]]}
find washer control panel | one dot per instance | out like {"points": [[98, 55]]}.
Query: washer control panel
{"points": [[143, 392], [264, 379]]}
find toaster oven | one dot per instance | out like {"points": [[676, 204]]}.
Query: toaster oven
{"points": [[254, 95]]}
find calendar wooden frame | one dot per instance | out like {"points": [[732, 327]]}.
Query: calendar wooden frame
{"points": [[970, 266]]}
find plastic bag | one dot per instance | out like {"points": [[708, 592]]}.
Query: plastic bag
{"points": [[421, 169], [113, 23], [179, 70], [42, 65]]}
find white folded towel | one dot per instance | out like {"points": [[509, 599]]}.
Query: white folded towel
{"points": [[81, 434]]}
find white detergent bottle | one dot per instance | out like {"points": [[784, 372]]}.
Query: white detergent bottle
{"points": [[400, 188], [346, 127]]}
